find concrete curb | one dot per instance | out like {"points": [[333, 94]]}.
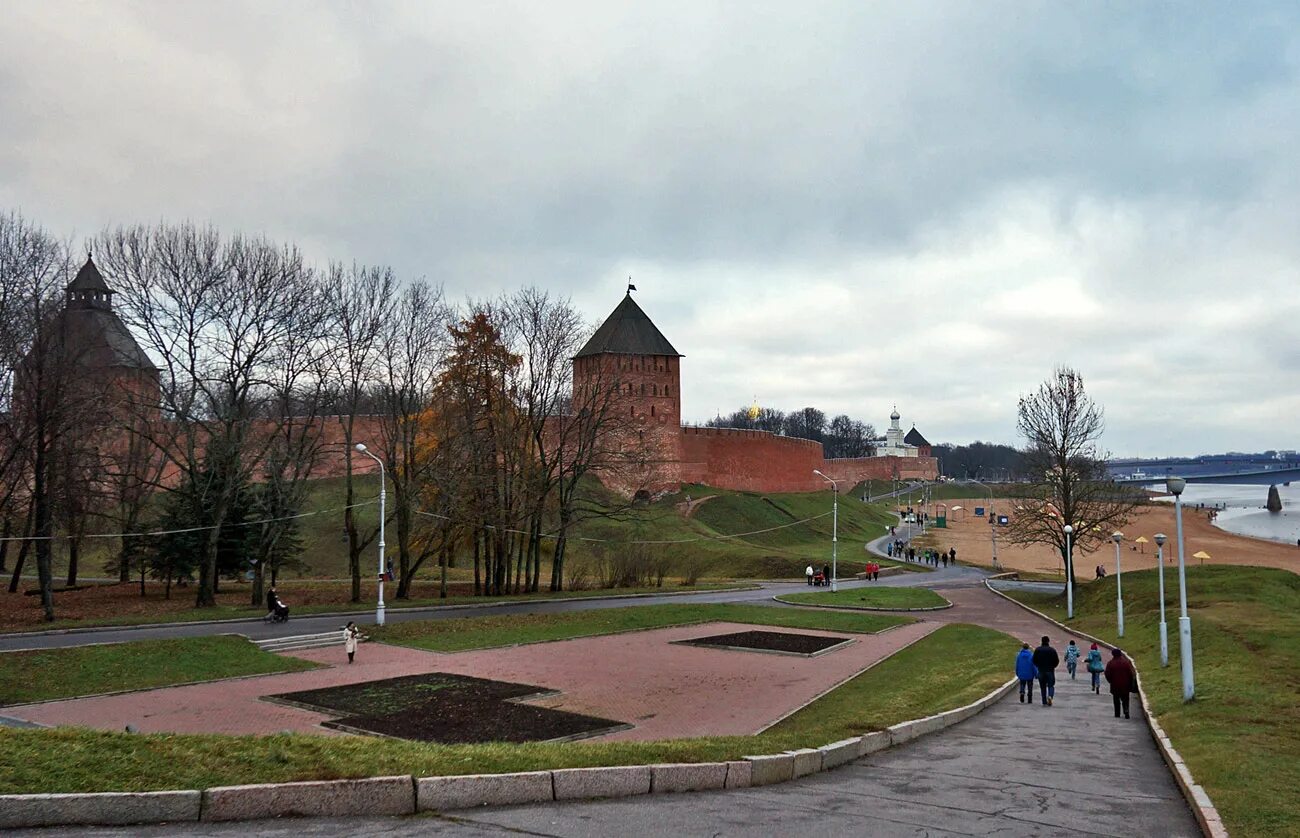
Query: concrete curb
{"points": [[327, 798], [777, 598], [21, 811], [366, 613], [405, 795], [1197, 799]]}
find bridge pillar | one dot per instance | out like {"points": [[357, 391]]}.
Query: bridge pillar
{"points": [[1274, 500]]}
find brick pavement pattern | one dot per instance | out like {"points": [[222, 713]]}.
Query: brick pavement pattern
{"points": [[665, 689]]}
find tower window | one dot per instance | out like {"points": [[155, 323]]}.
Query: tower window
{"points": [[668, 391], [652, 410], [655, 388]]}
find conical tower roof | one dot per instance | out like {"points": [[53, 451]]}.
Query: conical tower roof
{"points": [[628, 331], [89, 279]]}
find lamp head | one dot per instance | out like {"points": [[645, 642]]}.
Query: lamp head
{"points": [[818, 473], [1117, 536], [1068, 529], [1161, 538], [361, 446], [1175, 485]]}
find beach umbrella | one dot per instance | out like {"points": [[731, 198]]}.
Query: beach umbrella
{"points": [[1202, 555], [1141, 539]]}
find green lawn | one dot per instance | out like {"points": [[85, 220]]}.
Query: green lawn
{"points": [[870, 598], [916, 682], [84, 670], [487, 632], [1241, 736]]}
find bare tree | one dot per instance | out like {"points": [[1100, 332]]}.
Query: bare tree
{"points": [[1062, 427], [361, 301], [413, 344], [221, 315], [49, 394]]}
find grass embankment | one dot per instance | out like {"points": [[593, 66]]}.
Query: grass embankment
{"points": [[1241, 736], [881, 598], [487, 632], [917, 681], [85, 670]]}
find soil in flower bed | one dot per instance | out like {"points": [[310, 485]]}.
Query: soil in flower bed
{"points": [[772, 641], [452, 709]]}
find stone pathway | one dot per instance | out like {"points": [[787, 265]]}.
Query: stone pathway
{"points": [[666, 690]]}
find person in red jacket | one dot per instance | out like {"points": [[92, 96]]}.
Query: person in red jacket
{"points": [[1123, 680]]}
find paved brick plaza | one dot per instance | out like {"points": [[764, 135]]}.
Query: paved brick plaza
{"points": [[643, 678]]}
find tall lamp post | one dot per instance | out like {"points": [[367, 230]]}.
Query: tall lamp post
{"points": [[1161, 538], [383, 497], [993, 524], [1117, 537], [835, 529], [1069, 575], [1176, 486]]}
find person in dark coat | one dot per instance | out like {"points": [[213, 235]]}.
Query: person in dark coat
{"points": [[952, 555], [272, 600], [1045, 661], [1123, 680], [826, 571]]}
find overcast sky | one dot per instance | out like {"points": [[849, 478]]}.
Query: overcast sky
{"points": [[848, 205]]}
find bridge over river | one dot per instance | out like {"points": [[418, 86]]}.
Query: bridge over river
{"points": [[1261, 477]]}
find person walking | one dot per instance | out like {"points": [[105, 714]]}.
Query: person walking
{"points": [[952, 555], [1071, 659], [350, 634], [1025, 672], [1123, 680], [875, 571], [826, 574], [1045, 661], [808, 572], [1095, 667]]}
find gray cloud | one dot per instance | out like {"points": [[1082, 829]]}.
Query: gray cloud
{"points": [[928, 204]]}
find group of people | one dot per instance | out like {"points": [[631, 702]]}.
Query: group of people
{"points": [[1040, 665], [902, 550], [818, 577], [873, 571]]}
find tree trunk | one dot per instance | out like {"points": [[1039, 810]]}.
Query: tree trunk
{"points": [[5, 533], [478, 583], [207, 595], [258, 596], [44, 527], [443, 560], [74, 555], [22, 552]]}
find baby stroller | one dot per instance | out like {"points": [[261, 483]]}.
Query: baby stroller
{"points": [[819, 579], [279, 614]]}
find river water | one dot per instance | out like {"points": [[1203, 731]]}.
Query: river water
{"points": [[1244, 512]]}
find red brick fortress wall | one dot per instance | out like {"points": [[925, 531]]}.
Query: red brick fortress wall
{"points": [[850, 471], [751, 461]]}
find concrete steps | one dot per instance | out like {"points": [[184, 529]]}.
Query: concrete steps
{"points": [[303, 641]]}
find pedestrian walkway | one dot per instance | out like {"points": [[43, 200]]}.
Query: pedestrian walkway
{"points": [[647, 679], [1013, 770]]}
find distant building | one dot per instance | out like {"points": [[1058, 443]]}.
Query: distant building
{"points": [[896, 444]]}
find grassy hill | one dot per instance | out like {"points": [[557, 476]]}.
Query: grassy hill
{"points": [[1241, 735], [698, 544]]}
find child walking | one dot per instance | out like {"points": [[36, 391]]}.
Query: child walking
{"points": [[1025, 672], [350, 634], [1095, 667], [1071, 659]]}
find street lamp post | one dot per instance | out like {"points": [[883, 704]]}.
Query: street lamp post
{"points": [[1117, 537], [1176, 486], [835, 529], [383, 497], [993, 524], [1069, 575], [1164, 633]]}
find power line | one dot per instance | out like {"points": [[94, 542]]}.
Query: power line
{"points": [[190, 529]]}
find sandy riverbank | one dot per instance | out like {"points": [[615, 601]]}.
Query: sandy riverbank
{"points": [[970, 535]]}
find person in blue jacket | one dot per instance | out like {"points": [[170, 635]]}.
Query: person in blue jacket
{"points": [[1025, 672]]}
